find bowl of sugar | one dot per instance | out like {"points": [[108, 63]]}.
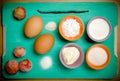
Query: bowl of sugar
{"points": [[98, 56], [98, 29], [71, 28]]}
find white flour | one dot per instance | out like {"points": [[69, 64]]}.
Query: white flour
{"points": [[97, 56], [99, 29], [71, 28]]}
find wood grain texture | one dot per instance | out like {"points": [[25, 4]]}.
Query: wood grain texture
{"points": [[118, 37]]}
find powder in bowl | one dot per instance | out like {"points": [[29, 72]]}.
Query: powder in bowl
{"points": [[97, 56], [71, 28]]}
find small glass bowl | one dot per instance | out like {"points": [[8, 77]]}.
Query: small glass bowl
{"points": [[93, 38], [78, 62]]}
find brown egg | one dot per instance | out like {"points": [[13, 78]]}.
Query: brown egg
{"points": [[44, 43], [33, 26]]}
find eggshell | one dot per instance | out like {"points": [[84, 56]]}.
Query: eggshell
{"points": [[33, 26], [44, 43]]}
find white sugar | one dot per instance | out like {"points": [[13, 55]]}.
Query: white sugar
{"points": [[71, 28], [51, 26], [46, 62], [97, 56], [99, 29]]}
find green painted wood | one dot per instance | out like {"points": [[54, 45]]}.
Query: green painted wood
{"points": [[15, 37]]}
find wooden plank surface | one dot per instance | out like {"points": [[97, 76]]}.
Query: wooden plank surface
{"points": [[118, 36]]}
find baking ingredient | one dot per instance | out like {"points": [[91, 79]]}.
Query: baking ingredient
{"points": [[46, 62], [33, 26], [97, 56], [19, 52], [99, 28], [51, 26], [70, 55], [71, 28], [44, 43], [25, 65], [12, 67], [19, 13]]}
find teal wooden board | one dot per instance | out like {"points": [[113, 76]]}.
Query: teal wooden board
{"points": [[15, 37]]}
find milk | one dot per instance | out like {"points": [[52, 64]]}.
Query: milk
{"points": [[99, 29]]}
